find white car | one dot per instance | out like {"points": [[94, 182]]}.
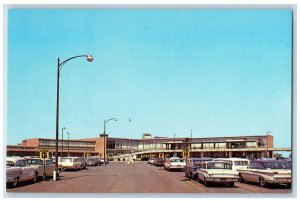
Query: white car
{"points": [[17, 170], [217, 172], [151, 161], [39, 163], [72, 163], [267, 172], [174, 163]]}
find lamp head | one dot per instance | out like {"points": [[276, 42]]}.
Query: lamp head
{"points": [[89, 58]]}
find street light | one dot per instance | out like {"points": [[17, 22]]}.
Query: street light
{"points": [[59, 67], [62, 143], [104, 135]]}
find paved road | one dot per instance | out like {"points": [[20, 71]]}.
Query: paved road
{"points": [[117, 177]]}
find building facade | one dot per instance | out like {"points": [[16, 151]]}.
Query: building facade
{"points": [[147, 147]]}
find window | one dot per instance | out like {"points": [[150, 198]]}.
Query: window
{"points": [[241, 163], [34, 162], [66, 160], [21, 163], [218, 165], [10, 163]]}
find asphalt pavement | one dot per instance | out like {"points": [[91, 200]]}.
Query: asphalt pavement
{"points": [[139, 178]]}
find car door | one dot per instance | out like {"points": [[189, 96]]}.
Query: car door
{"points": [[26, 171], [49, 167]]}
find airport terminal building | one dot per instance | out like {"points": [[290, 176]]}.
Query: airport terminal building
{"points": [[148, 146]]}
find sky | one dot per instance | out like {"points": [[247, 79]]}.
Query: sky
{"points": [[215, 72]]}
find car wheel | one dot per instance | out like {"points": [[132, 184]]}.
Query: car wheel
{"points": [[199, 180], [206, 183], [15, 182], [262, 182], [195, 177], [34, 178], [241, 179], [231, 184], [44, 176]]}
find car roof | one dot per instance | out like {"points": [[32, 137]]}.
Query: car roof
{"points": [[268, 161], [235, 159], [215, 162], [14, 158]]}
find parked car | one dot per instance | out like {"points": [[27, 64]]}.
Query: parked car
{"points": [[151, 160], [93, 161], [174, 163], [237, 163], [289, 163], [193, 164], [217, 172], [60, 168], [159, 162], [102, 160], [83, 162], [73, 163], [39, 163], [267, 172], [17, 170]]}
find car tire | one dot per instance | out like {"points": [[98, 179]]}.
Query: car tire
{"points": [[262, 182], [195, 177], [199, 180], [34, 178], [44, 176], [206, 183], [231, 184], [15, 182], [241, 179]]}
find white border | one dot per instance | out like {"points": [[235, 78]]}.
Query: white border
{"points": [[152, 4]]}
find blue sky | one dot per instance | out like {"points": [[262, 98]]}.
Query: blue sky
{"points": [[217, 72]]}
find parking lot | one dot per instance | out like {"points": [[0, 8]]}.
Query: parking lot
{"points": [[118, 177]]}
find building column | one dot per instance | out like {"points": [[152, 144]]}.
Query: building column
{"points": [[230, 154]]}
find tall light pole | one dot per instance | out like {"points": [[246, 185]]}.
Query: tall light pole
{"points": [[62, 143], [59, 67], [105, 138]]}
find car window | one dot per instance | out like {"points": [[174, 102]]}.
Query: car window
{"points": [[49, 162], [65, 160], [34, 162], [241, 163], [10, 163], [273, 165], [197, 163], [176, 160], [21, 163], [218, 165]]}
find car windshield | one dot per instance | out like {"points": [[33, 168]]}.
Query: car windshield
{"points": [[176, 160], [65, 160], [218, 165], [241, 163], [273, 165]]}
